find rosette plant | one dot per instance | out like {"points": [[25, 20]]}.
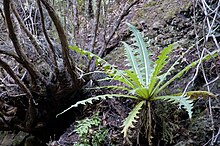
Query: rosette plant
{"points": [[143, 81]]}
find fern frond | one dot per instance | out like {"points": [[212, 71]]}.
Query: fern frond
{"points": [[127, 77], [142, 55], [160, 63], [121, 77], [102, 97], [181, 100], [163, 77], [108, 68], [133, 115]]}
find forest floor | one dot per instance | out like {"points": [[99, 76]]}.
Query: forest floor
{"points": [[163, 22]]}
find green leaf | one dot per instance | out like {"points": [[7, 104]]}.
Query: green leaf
{"points": [[96, 98], [90, 55], [133, 115], [121, 76], [109, 69], [142, 55], [163, 77], [194, 95], [142, 92], [110, 87], [133, 78], [160, 63], [181, 100], [133, 62], [186, 69]]}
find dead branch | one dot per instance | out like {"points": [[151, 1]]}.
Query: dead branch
{"points": [[118, 22], [103, 50], [2, 14], [96, 26], [16, 78]]}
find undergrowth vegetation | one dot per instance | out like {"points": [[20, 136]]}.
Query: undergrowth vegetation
{"points": [[143, 81], [90, 131]]}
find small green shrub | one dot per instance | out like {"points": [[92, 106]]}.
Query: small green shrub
{"points": [[90, 132], [144, 81]]}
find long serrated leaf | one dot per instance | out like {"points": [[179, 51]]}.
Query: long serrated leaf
{"points": [[90, 55], [142, 54], [133, 78], [163, 77], [96, 98], [183, 101], [142, 92], [194, 95], [109, 69], [133, 62], [110, 87], [121, 76], [160, 63], [133, 115], [187, 68]]}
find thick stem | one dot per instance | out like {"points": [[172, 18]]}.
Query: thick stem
{"points": [[91, 49], [67, 61], [52, 50], [149, 124]]}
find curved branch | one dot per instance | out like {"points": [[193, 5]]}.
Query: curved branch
{"points": [[31, 113], [91, 49], [30, 36], [63, 39], [12, 54], [53, 54], [18, 81], [35, 74], [118, 22], [2, 14]]}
